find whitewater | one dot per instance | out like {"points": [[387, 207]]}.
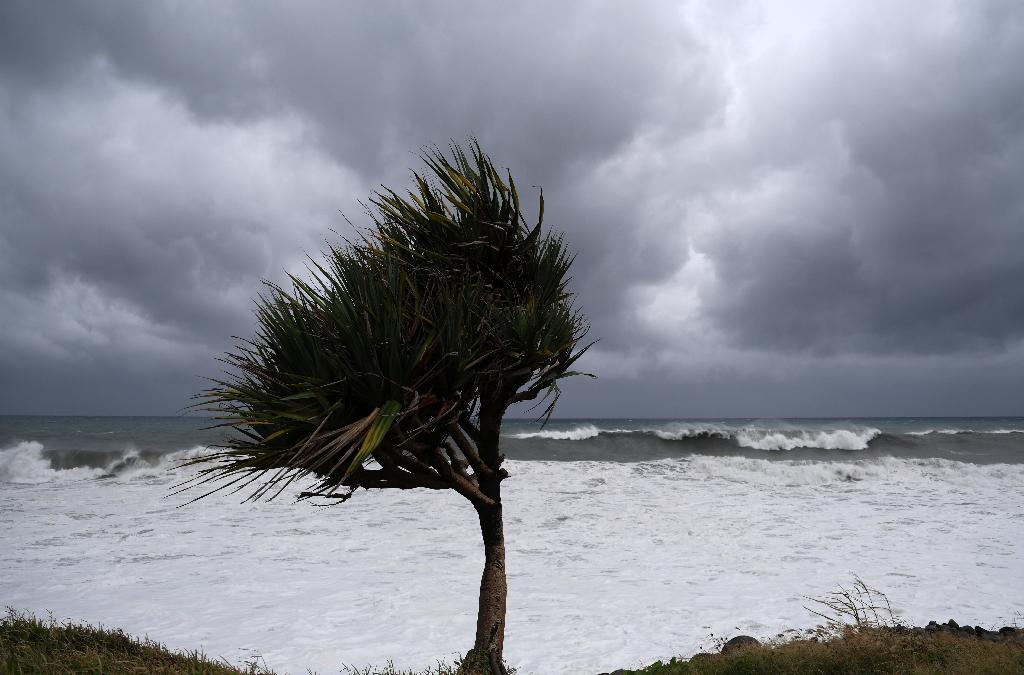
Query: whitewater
{"points": [[670, 536]]}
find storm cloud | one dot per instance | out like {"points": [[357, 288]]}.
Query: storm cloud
{"points": [[779, 209]]}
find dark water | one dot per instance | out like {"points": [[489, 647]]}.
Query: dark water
{"points": [[97, 441]]}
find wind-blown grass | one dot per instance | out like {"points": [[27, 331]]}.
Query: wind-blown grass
{"points": [[29, 645], [32, 645]]}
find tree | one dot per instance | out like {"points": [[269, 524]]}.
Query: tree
{"points": [[393, 364]]}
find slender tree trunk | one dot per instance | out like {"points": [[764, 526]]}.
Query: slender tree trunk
{"points": [[490, 622]]}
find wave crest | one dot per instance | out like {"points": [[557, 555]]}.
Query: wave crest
{"points": [[25, 463], [834, 439], [580, 433], [758, 438]]}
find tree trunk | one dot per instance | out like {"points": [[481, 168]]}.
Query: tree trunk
{"points": [[490, 622]]}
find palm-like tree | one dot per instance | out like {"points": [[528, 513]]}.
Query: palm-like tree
{"points": [[393, 365]]}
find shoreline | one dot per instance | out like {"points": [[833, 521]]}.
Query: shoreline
{"points": [[31, 645]]}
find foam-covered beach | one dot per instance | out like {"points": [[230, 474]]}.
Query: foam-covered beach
{"points": [[612, 561]]}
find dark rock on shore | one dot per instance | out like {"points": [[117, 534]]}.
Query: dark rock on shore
{"points": [[951, 627], [740, 642]]}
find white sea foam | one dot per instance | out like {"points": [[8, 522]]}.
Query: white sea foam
{"points": [[580, 433], [764, 438], [678, 432], [611, 565], [825, 439], [753, 471], [131, 466], [24, 463], [952, 432]]}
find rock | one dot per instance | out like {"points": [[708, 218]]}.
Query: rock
{"points": [[740, 642], [701, 656], [1016, 635], [951, 627]]}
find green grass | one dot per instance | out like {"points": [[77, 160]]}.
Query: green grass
{"points": [[31, 645], [863, 651]]}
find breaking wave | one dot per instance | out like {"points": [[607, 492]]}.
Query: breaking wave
{"points": [[746, 437], [580, 433], [26, 463]]}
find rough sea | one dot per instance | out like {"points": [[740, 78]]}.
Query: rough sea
{"points": [[628, 540]]}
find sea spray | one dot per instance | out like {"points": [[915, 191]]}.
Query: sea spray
{"points": [[24, 463]]}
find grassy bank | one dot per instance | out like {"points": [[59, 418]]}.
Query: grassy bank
{"points": [[29, 645], [864, 651]]}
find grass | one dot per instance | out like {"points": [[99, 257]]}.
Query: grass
{"points": [[860, 636], [30, 645], [859, 651], [441, 669]]}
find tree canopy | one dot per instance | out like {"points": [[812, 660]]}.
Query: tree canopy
{"points": [[449, 305]]}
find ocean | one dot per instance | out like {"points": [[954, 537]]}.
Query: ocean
{"points": [[628, 540]]}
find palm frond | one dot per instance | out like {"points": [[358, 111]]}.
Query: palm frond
{"points": [[452, 301]]}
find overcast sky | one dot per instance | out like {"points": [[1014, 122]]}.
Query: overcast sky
{"points": [[780, 209]]}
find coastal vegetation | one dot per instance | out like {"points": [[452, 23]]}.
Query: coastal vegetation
{"points": [[32, 645], [29, 645], [393, 365], [857, 651]]}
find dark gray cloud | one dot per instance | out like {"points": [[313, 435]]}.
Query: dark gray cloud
{"points": [[900, 225], [768, 201]]}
